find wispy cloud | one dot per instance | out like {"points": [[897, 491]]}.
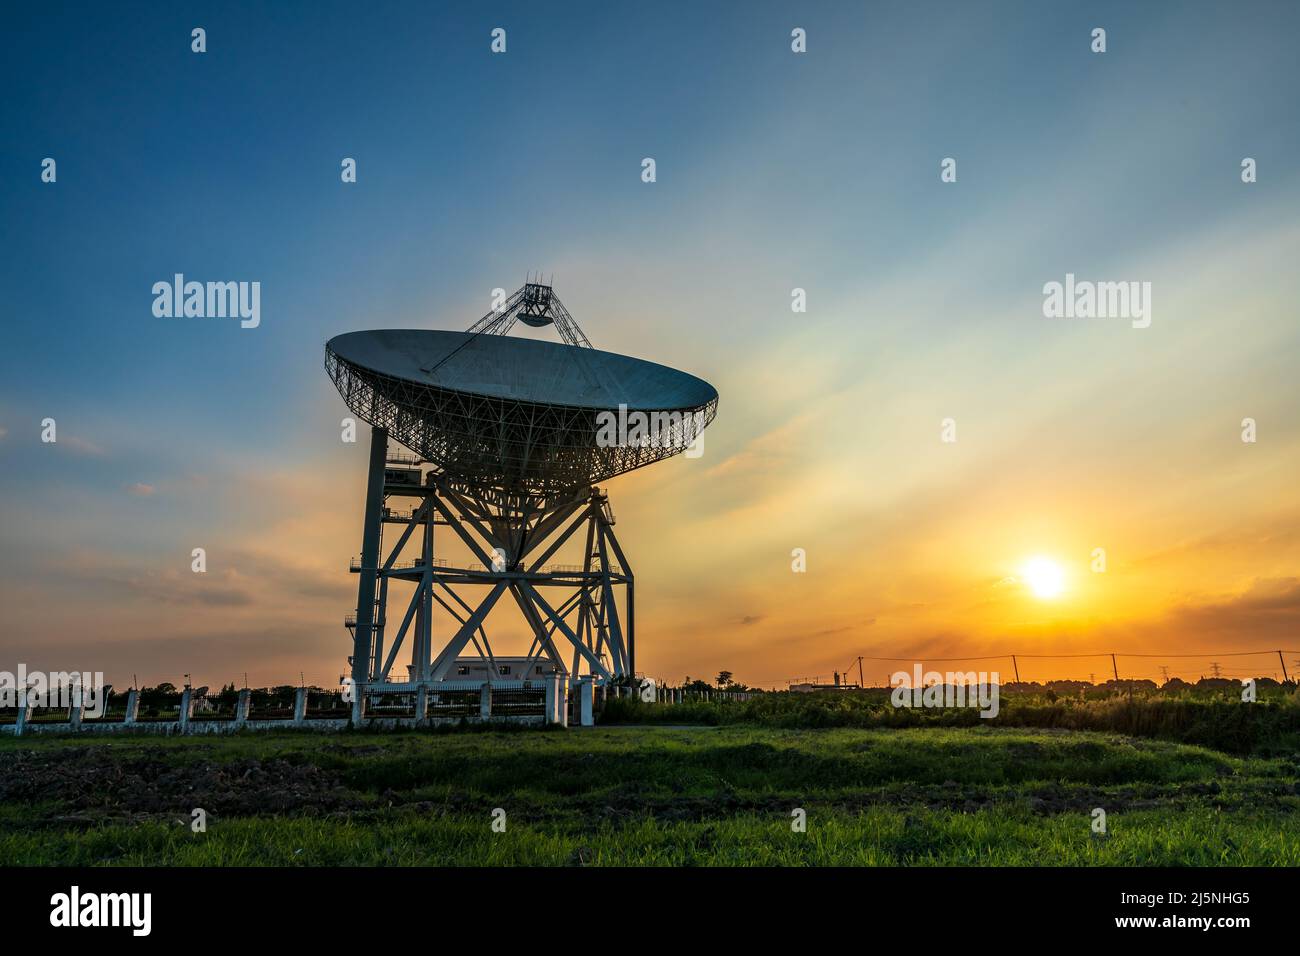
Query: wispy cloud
{"points": [[81, 446]]}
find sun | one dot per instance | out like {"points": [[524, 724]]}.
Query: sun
{"points": [[1044, 577]]}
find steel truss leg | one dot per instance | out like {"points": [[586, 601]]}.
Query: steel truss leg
{"points": [[363, 636], [527, 532]]}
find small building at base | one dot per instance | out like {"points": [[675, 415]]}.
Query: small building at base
{"points": [[507, 669]]}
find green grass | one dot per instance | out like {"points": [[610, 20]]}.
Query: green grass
{"points": [[645, 795], [1270, 726]]}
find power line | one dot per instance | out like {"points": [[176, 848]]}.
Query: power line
{"points": [[998, 657], [1160, 671]]}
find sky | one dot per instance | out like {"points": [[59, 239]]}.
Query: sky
{"points": [[775, 171]]}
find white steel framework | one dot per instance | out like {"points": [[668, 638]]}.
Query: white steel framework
{"points": [[573, 611], [510, 432]]}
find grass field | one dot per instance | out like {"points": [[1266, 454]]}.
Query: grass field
{"points": [[1217, 719], [645, 795]]}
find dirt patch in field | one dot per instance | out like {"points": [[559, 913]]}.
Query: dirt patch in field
{"points": [[97, 783]]}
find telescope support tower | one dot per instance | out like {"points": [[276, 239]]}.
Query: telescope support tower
{"points": [[513, 535]]}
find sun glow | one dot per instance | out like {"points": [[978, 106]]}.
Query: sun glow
{"points": [[1044, 577]]}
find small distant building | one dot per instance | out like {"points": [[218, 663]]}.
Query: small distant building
{"points": [[508, 668], [808, 687]]}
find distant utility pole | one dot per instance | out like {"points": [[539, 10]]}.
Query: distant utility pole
{"points": [[1164, 671], [1092, 677], [1214, 666], [1114, 667], [862, 682]]}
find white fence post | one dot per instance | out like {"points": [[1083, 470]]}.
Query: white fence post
{"points": [[585, 695], [187, 709], [24, 714], [76, 707], [552, 688]]}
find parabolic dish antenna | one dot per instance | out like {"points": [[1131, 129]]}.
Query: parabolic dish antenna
{"points": [[515, 413], [518, 432]]}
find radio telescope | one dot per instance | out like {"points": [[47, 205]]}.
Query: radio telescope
{"points": [[512, 428]]}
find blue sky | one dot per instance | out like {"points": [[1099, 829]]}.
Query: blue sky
{"points": [[775, 170]]}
